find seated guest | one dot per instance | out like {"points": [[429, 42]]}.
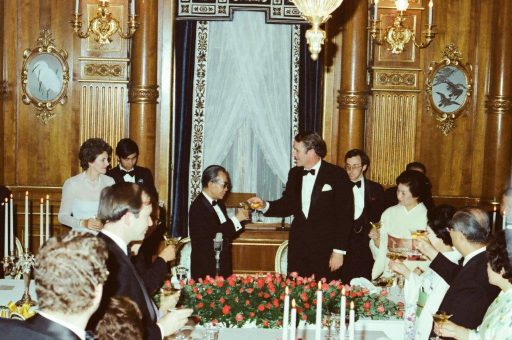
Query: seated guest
{"points": [[125, 210], [81, 193], [368, 196], [390, 193], [122, 319], [207, 217], [429, 285], [497, 322], [69, 274], [401, 220], [470, 293]]}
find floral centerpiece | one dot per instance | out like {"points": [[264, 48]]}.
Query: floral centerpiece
{"points": [[258, 300]]}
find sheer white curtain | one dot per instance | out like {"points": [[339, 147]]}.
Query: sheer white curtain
{"points": [[248, 102]]}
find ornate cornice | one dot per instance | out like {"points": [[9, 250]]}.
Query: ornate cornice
{"points": [[353, 100], [143, 94], [499, 105]]}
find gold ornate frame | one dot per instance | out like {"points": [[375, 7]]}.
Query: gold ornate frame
{"points": [[449, 88], [44, 76]]}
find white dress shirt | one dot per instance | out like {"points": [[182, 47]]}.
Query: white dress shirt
{"points": [[308, 182], [473, 254], [221, 215], [358, 198], [117, 240], [127, 178]]}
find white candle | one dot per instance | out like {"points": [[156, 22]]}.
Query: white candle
{"points": [[132, 7], [77, 6], [318, 321], [286, 311], [6, 230], [351, 322], [430, 10], [26, 219], [493, 222], [47, 216], [343, 312], [11, 209], [41, 214], [293, 321], [375, 10]]}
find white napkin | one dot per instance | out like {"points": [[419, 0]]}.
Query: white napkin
{"points": [[364, 283]]}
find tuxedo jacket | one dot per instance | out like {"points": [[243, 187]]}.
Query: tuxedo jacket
{"points": [[123, 280], [35, 328], [329, 220], [470, 292], [143, 177], [373, 202], [203, 225]]}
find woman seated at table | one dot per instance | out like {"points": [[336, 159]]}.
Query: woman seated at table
{"points": [[497, 322], [429, 285], [81, 193], [401, 220]]}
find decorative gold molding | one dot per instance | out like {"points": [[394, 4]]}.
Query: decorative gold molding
{"points": [[103, 70], [353, 100], [396, 79], [498, 105], [143, 94]]}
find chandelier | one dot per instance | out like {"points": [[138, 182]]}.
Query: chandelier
{"points": [[103, 26], [316, 12], [397, 35]]}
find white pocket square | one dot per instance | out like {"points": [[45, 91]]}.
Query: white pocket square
{"points": [[326, 187]]}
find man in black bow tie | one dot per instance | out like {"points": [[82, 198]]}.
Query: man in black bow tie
{"points": [[368, 206], [319, 196]]}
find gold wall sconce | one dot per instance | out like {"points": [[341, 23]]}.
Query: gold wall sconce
{"points": [[398, 35], [316, 12], [103, 26]]}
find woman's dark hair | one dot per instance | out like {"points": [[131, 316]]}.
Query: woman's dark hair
{"points": [[92, 148], [439, 221], [419, 185], [210, 173], [125, 147], [497, 255]]}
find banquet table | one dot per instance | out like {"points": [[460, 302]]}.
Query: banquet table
{"points": [[12, 290]]}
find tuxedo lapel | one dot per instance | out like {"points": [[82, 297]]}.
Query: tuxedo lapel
{"points": [[209, 207], [41, 324]]}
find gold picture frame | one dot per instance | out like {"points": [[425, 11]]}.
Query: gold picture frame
{"points": [[45, 76], [449, 88]]}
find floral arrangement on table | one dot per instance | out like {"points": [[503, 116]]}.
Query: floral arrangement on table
{"points": [[258, 300], [12, 311]]}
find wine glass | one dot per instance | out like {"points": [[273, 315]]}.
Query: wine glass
{"points": [[440, 317]]}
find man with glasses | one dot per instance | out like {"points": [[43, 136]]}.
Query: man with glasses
{"points": [[319, 196], [368, 206], [207, 217]]}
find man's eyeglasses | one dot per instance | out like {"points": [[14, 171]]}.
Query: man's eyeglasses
{"points": [[224, 185], [349, 167]]}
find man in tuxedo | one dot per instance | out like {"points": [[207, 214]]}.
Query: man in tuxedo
{"points": [[368, 206], [319, 196], [470, 292], [127, 170], [70, 272], [125, 210], [207, 218]]}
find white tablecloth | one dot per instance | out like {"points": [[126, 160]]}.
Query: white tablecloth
{"points": [[12, 290]]}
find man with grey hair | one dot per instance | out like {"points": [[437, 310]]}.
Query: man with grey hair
{"points": [[469, 282]]}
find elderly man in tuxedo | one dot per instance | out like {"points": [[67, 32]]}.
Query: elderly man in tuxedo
{"points": [[319, 196], [207, 217], [125, 210], [70, 272], [368, 206], [470, 292]]}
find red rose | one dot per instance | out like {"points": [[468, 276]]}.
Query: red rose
{"points": [[252, 315], [220, 284], [268, 305], [222, 300], [226, 310], [239, 317], [304, 296], [400, 314], [306, 305], [191, 281], [265, 323], [275, 302], [198, 296], [200, 305], [380, 309], [209, 291], [212, 305], [231, 283], [384, 292], [333, 294], [266, 295], [228, 291], [304, 317], [260, 283], [194, 289], [353, 295], [247, 302], [261, 308], [367, 305]]}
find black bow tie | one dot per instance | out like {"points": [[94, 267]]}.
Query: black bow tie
{"points": [[305, 172], [214, 203], [358, 184], [130, 173]]}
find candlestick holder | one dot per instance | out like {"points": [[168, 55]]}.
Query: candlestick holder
{"points": [[9, 265], [24, 265]]}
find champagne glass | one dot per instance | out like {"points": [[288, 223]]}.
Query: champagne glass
{"points": [[440, 317]]}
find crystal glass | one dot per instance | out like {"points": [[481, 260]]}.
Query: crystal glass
{"points": [[440, 317]]}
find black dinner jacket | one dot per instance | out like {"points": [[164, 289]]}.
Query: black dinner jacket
{"points": [[373, 201], [143, 177], [35, 328], [203, 225], [470, 292], [123, 281], [330, 216]]}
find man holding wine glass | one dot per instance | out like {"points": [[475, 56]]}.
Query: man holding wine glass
{"points": [[319, 196]]}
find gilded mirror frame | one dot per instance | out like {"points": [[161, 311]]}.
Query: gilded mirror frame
{"points": [[45, 76], [449, 87]]}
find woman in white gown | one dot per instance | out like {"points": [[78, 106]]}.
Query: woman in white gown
{"points": [[429, 284], [401, 220], [81, 193]]}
